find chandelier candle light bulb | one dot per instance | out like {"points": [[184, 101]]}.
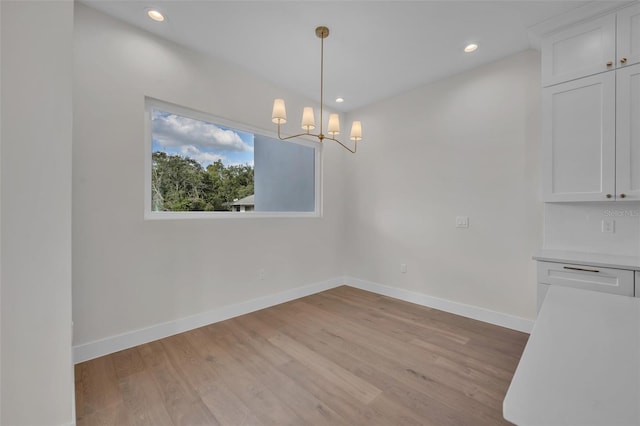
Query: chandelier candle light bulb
{"points": [[279, 114]]}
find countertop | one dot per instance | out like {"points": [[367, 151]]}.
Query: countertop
{"points": [[581, 365], [590, 259]]}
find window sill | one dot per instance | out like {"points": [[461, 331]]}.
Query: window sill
{"points": [[227, 215]]}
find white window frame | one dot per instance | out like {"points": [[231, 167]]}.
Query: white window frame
{"points": [[151, 103]]}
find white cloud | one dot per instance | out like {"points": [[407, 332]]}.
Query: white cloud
{"points": [[204, 158], [176, 131]]}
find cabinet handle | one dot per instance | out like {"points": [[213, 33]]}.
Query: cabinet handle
{"points": [[609, 64], [580, 269], [622, 196], [609, 195], [623, 60]]}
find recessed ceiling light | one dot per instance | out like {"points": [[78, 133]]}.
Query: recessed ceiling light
{"points": [[470, 47], [339, 100], [155, 15]]}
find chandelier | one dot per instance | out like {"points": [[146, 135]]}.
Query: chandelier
{"points": [[279, 115]]}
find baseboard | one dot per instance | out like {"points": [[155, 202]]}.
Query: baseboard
{"points": [[469, 311], [95, 349]]}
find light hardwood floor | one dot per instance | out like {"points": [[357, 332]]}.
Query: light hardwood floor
{"points": [[341, 357]]}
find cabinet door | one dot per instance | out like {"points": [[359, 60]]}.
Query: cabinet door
{"points": [[628, 133], [579, 51], [629, 36], [578, 131]]}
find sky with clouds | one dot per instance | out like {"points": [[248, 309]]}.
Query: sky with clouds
{"points": [[202, 141]]}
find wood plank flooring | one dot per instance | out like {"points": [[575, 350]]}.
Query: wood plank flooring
{"points": [[341, 357]]}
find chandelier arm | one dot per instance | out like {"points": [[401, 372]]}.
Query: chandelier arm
{"points": [[355, 146], [294, 136]]}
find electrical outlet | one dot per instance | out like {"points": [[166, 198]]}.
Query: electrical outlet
{"points": [[403, 268], [462, 221], [261, 274], [608, 226]]}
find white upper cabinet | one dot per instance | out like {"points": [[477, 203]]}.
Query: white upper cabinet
{"points": [[592, 47], [628, 43], [581, 50], [591, 110], [628, 133], [579, 140]]}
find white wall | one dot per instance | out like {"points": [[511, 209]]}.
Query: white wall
{"points": [[467, 145], [129, 273], [37, 373]]}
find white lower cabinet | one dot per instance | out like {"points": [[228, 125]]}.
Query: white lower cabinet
{"points": [[606, 280]]}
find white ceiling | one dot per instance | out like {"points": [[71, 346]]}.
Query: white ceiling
{"points": [[376, 48]]}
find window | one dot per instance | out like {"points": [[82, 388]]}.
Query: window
{"points": [[202, 166]]}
